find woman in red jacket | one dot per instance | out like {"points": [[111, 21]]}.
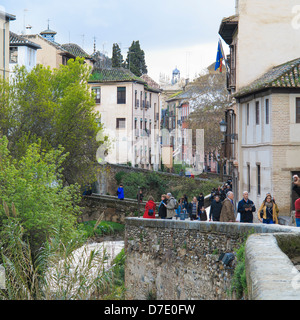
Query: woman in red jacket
{"points": [[150, 209]]}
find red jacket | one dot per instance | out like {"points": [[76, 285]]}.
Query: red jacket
{"points": [[150, 205], [297, 208]]}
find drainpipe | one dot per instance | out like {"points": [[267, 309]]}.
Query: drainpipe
{"points": [[4, 48]]}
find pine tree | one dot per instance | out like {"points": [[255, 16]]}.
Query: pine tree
{"points": [[117, 58], [135, 61]]}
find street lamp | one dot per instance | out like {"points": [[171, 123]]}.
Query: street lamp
{"points": [[223, 126]]}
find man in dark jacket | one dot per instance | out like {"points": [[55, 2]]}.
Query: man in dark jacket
{"points": [[246, 208], [215, 209]]}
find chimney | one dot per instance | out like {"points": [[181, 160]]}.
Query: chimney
{"points": [[28, 29]]}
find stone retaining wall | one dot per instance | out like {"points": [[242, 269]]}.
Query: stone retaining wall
{"points": [[181, 260], [112, 208]]}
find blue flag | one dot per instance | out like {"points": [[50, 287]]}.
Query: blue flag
{"points": [[220, 57]]}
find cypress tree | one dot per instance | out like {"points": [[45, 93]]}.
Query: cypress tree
{"points": [[135, 61], [117, 58]]}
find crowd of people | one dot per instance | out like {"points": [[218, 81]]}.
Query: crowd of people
{"points": [[222, 207]]}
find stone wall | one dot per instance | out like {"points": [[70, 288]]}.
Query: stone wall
{"points": [[181, 260], [112, 208], [271, 274]]}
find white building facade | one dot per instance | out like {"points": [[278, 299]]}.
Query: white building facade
{"points": [[129, 111], [264, 77], [22, 52]]}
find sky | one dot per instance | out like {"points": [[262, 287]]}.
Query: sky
{"points": [[173, 33]]}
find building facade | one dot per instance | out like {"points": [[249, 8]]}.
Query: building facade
{"points": [[22, 52], [129, 110], [5, 19], [263, 79], [52, 53]]}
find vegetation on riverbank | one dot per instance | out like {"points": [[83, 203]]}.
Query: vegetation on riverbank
{"points": [[94, 229], [155, 184]]}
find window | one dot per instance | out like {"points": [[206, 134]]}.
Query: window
{"points": [[267, 112], [298, 110], [121, 96], [135, 99], [249, 176], [13, 55], [248, 114], [30, 57], [141, 99], [258, 180], [121, 123], [257, 112], [97, 92]]}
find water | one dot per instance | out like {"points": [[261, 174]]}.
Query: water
{"points": [[68, 279]]}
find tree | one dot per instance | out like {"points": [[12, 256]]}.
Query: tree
{"points": [[117, 57], [33, 187], [209, 103], [135, 61], [57, 109]]}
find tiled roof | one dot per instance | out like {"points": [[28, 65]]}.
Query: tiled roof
{"points": [[7, 16], [114, 75], [16, 40], [75, 50], [151, 83], [286, 75], [48, 31]]}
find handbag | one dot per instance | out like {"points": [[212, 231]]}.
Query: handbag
{"points": [[150, 212]]}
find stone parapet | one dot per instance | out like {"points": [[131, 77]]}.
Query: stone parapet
{"points": [[182, 260]]}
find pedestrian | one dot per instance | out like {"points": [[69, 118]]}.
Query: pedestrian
{"points": [[297, 209], [227, 212], [296, 183], [171, 206], [140, 196], [193, 209], [201, 199], [215, 209], [150, 209], [246, 208], [202, 215], [162, 210], [268, 211], [179, 208], [120, 192]]}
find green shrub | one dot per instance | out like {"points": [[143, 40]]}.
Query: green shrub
{"points": [[34, 184], [88, 230], [239, 281], [119, 176]]}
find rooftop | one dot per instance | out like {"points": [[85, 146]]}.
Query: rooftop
{"points": [[8, 16], [48, 31], [120, 75], [75, 50], [286, 75], [16, 40], [228, 27], [114, 75]]}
